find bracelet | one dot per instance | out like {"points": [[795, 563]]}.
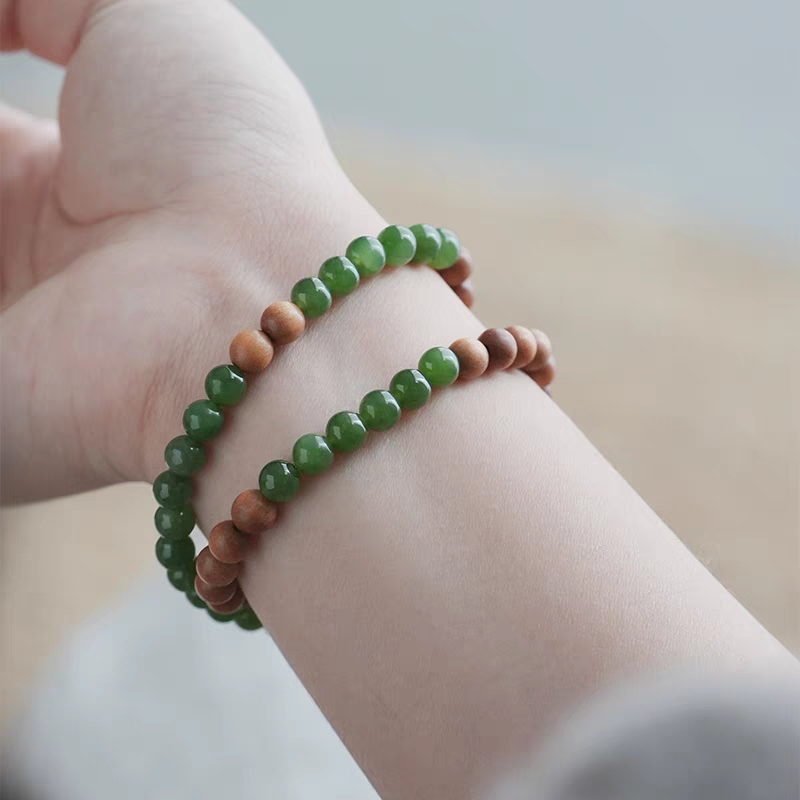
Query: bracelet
{"points": [[256, 510], [252, 351]]}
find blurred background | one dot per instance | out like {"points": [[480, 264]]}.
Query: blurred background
{"points": [[627, 175]]}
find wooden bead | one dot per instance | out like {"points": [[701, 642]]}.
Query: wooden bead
{"points": [[546, 374], [459, 272], [502, 347], [213, 571], [231, 605], [215, 594], [465, 293], [252, 513], [526, 346], [473, 357], [227, 544], [283, 322], [543, 351], [251, 351]]}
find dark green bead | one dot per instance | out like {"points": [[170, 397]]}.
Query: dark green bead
{"points": [[367, 254], [429, 240], [175, 553], [246, 618], [194, 598], [175, 523], [183, 578], [203, 420], [346, 431], [339, 275], [449, 251], [220, 617], [379, 410], [410, 389], [279, 481], [184, 457], [312, 454], [171, 490], [312, 297], [399, 245], [439, 365], [225, 385]]}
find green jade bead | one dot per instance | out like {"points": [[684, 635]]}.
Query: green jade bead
{"points": [[175, 553], [184, 457], [171, 490], [379, 410], [225, 385], [399, 245], [339, 276], [203, 420], [182, 578], [194, 598], [410, 388], [312, 297], [449, 251], [367, 254], [439, 365], [312, 454], [246, 619], [429, 241], [175, 523], [220, 617], [346, 431], [279, 481]]}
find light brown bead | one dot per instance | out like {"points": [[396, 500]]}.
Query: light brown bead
{"points": [[543, 351], [227, 544], [546, 374], [213, 571], [215, 594], [526, 346], [229, 606], [459, 272], [465, 293], [252, 513], [283, 322], [251, 351], [473, 357], [502, 347]]}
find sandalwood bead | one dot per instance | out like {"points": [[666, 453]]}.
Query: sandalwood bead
{"points": [[526, 346], [546, 374], [215, 594], [283, 322], [458, 273], [473, 357], [213, 571], [502, 347], [251, 351], [227, 544], [230, 606], [465, 293], [252, 513], [543, 351]]}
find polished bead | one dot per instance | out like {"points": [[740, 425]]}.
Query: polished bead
{"points": [[215, 594], [247, 619], [181, 578], [252, 513], [448, 252], [379, 410], [502, 347], [194, 598], [526, 346], [368, 255], [339, 276], [544, 349], [410, 388], [203, 420], [230, 606], [429, 240], [439, 365], [399, 245], [175, 553], [283, 322], [220, 617], [171, 490], [312, 454], [225, 385], [473, 358], [175, 523], [251, 351], [312, 297], [465, 293], [227, 544], [184, 456], [546, 374], [279, 481], [214, 572], [346, 431], [456, 274]]}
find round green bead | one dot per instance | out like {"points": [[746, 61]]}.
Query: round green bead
{"points": [[203, 420], [182, 578], [429, 240], [312, 454], [399, 245], [339, 275], [367, 254], [171, 490], [279, 481], [246, 619], [312, 297], [220, 617], [225, 385], [379, 410], [439, 365], [194, 598], [410, 389], [175, 523], [449, 251], [184, 457], [346, 431], [175, 553]]}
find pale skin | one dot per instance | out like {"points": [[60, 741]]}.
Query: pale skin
{"points": [[446, 593]]}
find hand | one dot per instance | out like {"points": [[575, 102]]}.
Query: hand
{"points": [[190, 177]]}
